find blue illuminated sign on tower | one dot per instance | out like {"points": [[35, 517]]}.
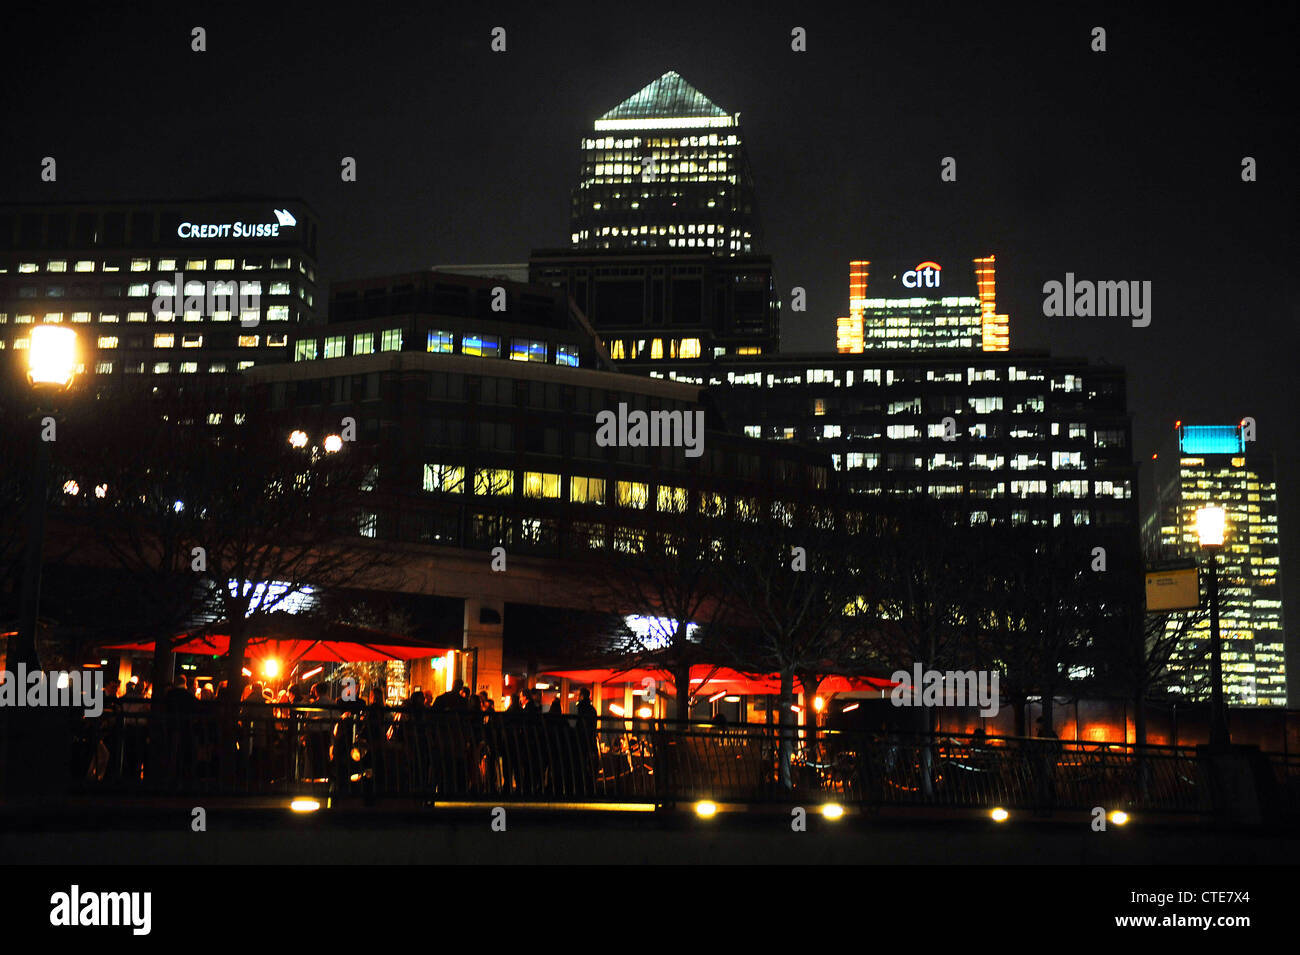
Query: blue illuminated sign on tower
{"points": [[1210, 439]]}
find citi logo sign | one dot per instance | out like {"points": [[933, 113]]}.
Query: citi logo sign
{"points": [[925, 275]]}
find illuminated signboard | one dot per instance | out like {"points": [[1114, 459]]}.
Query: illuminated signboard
{"points": [[1209, 439], [1177, 589], [925, 275], [276, 225]]}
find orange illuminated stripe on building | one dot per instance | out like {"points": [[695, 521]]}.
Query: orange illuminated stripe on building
{"points": [[848, 335], [848, 331], [995, 328], [858, 273]]}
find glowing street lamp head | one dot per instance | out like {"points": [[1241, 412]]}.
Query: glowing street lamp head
{"points": [[52, 356], [1210, 524], [271, 667], [298, 439], [333, 443]]}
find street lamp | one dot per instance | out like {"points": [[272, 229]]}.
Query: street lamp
{"points": [[51, 367], [1210, 525]]}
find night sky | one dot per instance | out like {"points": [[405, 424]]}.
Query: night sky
{"points": [[1115, 166]]}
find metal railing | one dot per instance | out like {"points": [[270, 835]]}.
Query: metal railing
{"points": [[373, 753]]}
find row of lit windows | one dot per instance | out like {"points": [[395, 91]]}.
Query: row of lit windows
{"points": [[627, 349], [163, 265], [164, 367], [249, 316], [490, 482], [609, 142], [439, 341], [167, 340]]}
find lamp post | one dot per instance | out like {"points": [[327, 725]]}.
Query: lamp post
{"points": [[52, 365], [1210, 524]]}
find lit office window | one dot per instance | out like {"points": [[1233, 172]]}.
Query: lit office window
{"points": [[280, 263], [440, 341], [281, 288], [672, 499], [164, 340], [244, 364], [188, 367], [527, 349], [218, 367], [196, 265], [137, 316], [81, 316], [139, 265], [250, 317], [363, 343], [191, 341], [107, 341], [587, 490], [165, 316], [541, 484], [690, 348], [566, 355], [103, 367], [277, 313], [447, 478], [304, 349], [141, 290], [277, 341], [84, 265], [483, 346], [24, 319], [391, 340], [27, 267], [224, 265], [221, 315], [247, 341], [166, 265], [335, 346], [56, 265], [162, 367], [633, 494], [494, 482]]}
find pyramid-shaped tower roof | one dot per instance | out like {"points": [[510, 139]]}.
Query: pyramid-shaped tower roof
{"points": [[668, 96]]}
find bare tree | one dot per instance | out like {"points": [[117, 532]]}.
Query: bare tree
{"points": [[791, 580], [666, 569]]}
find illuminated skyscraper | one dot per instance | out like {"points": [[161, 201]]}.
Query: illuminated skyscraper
{"points": [[666, 169], [1209, 465], [910, 305]]}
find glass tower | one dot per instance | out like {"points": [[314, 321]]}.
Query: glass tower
{"points": [[666, 169], [1209, 465]]}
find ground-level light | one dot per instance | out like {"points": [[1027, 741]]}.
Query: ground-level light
{"points": [[304, 804], [1119, 817], [706, 809], [999, 815], [833, 810]]}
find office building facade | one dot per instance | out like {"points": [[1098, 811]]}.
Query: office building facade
{"points": [[650, 308], [1017, 438], [1214, 465], [160, 291]]}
